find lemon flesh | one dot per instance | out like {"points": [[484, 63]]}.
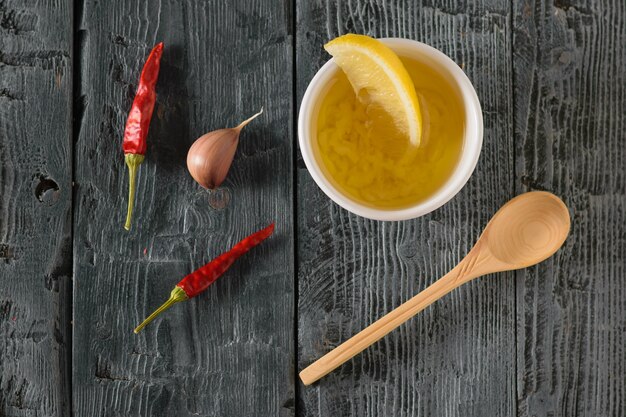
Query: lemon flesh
{"points": [[373, 67]]}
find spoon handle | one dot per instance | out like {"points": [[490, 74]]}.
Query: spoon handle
{"points": [[462, 273]]}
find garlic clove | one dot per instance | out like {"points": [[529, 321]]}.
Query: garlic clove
{"points": [[211, 155]]}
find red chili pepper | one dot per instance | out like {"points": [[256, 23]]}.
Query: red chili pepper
{"points": [[200, 279], [138, 123]]}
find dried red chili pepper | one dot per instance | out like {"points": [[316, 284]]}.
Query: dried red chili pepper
{"points": [[199, 280], [138, 122]]}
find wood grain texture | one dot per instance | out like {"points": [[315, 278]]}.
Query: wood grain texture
{"points": [[35, 207], [229, 352], [546, 341], [458, 356], [570, 129]]}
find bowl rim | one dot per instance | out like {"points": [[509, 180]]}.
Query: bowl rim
{"points": [[470, 153]]}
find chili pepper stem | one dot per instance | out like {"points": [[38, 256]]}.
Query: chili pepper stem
{"points": [[177, 295], [133, 160]]}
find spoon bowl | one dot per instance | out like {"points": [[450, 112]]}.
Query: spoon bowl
{"points": [[524, 232], [527, 230]]}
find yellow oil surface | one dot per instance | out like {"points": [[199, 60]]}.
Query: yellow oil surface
{"points": [[369, 160]]}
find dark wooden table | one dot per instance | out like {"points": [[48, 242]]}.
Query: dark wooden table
{"points": [[547, 341]]}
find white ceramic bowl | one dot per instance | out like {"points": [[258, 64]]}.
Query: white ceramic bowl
{"points": [[472, 140]]}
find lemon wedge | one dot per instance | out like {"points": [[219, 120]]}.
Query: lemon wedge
{"points": [[372, 66]]}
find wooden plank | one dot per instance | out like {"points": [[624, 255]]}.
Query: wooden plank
{"points": [[229, 352], [35, 207], [570, 87], [458, 356]]}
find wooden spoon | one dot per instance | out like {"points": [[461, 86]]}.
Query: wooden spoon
{"points": [[524, 232]]}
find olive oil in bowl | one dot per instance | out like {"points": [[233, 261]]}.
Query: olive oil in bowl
{"points": [[368, 159]]}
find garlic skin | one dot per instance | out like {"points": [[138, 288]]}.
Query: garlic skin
{"points": [[211, 155]]}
